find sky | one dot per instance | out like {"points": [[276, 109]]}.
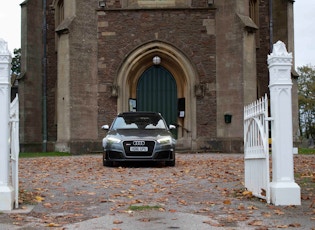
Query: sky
{"points": [[10, 23], [304, 32], [304, 17]]}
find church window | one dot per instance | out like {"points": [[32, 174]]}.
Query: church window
{"points": [[254, 15], [60, 13], [155, 3], [254, 11]]}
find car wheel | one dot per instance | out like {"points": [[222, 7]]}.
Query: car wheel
{"points": [[170, 163], [106, 162]]}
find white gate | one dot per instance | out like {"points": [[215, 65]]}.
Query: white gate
{"points": [[256, 148], [15, 147]]}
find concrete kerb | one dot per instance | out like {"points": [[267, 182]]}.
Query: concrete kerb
{"points": [[22, 210], [153, 220]]}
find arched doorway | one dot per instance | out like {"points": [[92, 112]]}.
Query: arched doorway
{"points": [[183, 73], [157, 92]]}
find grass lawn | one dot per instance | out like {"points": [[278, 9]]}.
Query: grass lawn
{"points": [[306, 151], [302, 151], [43, 154]]}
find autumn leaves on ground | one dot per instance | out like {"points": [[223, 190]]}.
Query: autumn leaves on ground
{"points": [[77, 188]]}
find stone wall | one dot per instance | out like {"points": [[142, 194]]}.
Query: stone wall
{"points": [[30, 85], [120, 32], [213, 40], [51, 75], [263, 49]]}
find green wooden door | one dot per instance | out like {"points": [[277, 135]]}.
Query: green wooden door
{"points": [[157, 92]]}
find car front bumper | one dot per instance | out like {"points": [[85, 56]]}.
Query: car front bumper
{"points": [[165, 155]]}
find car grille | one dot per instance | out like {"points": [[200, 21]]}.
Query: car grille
{"points": [[128, 144]]}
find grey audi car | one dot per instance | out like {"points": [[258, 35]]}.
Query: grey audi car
{"points": [[139, 136]]}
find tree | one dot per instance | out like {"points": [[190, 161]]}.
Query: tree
{"points": [[16, 62], [15, 72], [306, 97]]}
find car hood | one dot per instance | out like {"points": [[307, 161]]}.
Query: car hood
{"points": [[130, 134]]}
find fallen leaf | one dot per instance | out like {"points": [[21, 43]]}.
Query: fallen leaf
{"points": [[247, 193], [252, 207], [183, 202], [278, 212], [47, 205], [39, 199], [241, 207], [295, 225], [117, 222], [53, 225], [227, 202], [267, 215], [145, 220], [255, 223], [212, 223]]}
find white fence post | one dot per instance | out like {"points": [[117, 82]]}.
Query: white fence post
{"points": [[284, 191], [15, 147], [6, 190]]}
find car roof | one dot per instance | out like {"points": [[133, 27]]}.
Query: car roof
{"points": [[141, 113]]}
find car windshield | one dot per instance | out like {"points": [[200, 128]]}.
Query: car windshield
{"points": [[139, 122]]}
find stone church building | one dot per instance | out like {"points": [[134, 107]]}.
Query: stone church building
{"points": [[197, 62]]}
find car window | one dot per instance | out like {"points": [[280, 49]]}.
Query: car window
{"points": [[159, 125], [120, 123], [139, 122]]}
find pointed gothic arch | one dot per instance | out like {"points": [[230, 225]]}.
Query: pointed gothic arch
{"points": [[183, 72]]}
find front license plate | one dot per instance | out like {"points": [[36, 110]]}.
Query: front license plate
{"points": [[139, 149]]}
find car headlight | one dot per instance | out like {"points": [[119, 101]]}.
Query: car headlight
{"points": [[113, 140], [165, 140]]}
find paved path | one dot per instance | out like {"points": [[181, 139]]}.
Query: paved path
{"points": [[203, 191]]}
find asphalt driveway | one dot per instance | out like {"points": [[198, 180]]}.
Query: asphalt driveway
{"points": [[203, 191]]}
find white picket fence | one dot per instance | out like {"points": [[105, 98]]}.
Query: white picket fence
{"points": [[256, 148], [15, 147]]}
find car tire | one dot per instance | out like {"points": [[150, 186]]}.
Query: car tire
{"points": [[170, 163], [106, 162]]}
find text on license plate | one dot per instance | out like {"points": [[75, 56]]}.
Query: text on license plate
{"points": [[138, 148]]}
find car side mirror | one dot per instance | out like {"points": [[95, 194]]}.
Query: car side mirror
{"points": [[105, 127], [172, 127]]}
